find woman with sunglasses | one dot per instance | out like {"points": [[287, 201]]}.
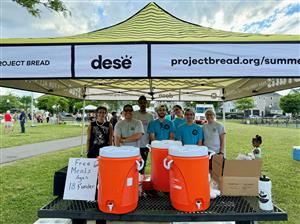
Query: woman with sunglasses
{"points": [[99, 133]]}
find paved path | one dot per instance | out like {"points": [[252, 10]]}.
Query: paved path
{"points": [[25, 151]]}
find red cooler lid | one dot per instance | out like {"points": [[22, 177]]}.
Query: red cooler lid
{"points": [[119, 152], [188, 151]]}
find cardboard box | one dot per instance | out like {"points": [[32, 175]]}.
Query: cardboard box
{"points": [[236, 177]]}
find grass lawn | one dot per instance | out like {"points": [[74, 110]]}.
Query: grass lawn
{"points": [[39, 133], [27, 185]]}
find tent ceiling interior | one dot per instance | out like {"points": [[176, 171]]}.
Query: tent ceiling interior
{"points": [[152, 27]]}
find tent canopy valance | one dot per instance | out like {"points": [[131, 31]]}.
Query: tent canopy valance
{"points": [[155, 54]]}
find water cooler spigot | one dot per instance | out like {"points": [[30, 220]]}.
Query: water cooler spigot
{"points": [[198, 204], [110, 206]]}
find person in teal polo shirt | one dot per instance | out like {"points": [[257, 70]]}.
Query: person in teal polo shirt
{"points": [[190, 133], [161, 129], [179, 119]]}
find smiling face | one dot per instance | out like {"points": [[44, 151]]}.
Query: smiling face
{"points": [[189, 116], [210, 116], [161, 112], [177, 111], [101, 114], [128, 113]]}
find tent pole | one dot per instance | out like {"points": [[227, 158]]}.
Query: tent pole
{"points": [[224, 122], [82, 123], [224, 119], [32, 120]]}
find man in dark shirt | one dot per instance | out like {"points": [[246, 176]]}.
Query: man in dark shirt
{"points": [[22, 119]]}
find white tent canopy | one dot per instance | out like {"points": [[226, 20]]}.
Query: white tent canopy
{"points": [[89, 108]]}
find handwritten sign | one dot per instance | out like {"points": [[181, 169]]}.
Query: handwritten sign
{"points": [[81, 182]]}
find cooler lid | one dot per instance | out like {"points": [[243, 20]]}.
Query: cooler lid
{"points": [[172, 142], [119, 152], [188, 151], [164, 144]]}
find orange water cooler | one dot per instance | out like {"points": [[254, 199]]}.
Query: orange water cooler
{"points": [[159, 175], [118, 179], [189, 181]]}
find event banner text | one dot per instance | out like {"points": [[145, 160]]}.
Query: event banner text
{"points": [[155, 60]]}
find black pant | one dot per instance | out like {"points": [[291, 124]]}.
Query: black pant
{"points": [[144, 154], [22, 126]]}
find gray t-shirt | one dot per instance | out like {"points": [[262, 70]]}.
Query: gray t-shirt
{"points": [[145, 118], [127, 128], [212, 132]]}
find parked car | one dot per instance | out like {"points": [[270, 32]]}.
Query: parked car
{"points": [[254, 116], [234, 116], [66, 117], [280, 116]]}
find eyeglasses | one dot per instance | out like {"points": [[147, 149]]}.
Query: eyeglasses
{"points": [[128, 110]]}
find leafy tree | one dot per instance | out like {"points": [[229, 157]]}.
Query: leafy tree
{"points": [[53, 103], [9, 102], [26, 102], [290, 103], [32, 6], [244, 104]]}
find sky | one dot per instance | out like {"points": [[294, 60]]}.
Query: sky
{"points": [[264, 16]]}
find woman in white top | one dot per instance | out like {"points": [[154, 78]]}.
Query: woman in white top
{"points": [[214, 133]]}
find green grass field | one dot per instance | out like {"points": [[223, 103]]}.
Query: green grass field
{"points": [[27, 185], [39, 133]]}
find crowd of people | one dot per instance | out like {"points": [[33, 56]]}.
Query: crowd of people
{"points": [[139, 128]]}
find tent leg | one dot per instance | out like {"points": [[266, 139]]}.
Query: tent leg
{"points": [[83, 126], [224, 123]]}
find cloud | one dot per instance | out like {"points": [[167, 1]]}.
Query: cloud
{"points": [[284, 19], [17, 22], [239, 16]]}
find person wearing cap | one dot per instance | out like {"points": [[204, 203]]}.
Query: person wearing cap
{"points": [[214, 133], [161, 128], [145, 118], [190, 133], [128, 131], [99, 133], [179, 119]]}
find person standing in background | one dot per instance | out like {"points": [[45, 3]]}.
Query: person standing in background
{"points": [[128, 131], [47, 115], [22, 119], [214, 133], [161, 128], [178, 120], [114, 119], [8, 122], [145, 118], [99, 133]]}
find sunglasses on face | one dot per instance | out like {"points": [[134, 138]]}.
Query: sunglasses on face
{"points": [[128, 110]]}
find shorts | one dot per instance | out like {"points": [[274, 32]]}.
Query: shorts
{"points": [[8, 124]]}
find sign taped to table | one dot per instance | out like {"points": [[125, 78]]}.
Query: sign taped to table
{"points": [[81, 182]]}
